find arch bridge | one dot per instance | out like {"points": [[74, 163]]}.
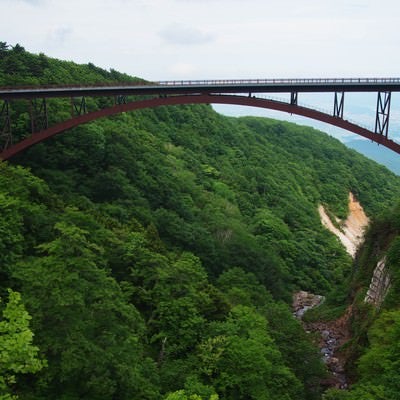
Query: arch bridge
{"points": [[134, 96]]}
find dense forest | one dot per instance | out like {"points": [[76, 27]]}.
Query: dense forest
{"points": [[154, 254]]}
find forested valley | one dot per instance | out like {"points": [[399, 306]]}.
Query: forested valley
{"points": [[154, 254]]}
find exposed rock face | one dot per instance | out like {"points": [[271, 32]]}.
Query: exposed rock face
{"points": [[379, 286], [303, 301], [350, 231]]}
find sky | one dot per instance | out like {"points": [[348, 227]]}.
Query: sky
{"points": [[220, 39]]}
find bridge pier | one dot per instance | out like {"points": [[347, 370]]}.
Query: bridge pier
{"points": [[120, 99], [38, 114], [293, 98], [78, 107], [338, 106], [383, 113], [5, 125]]}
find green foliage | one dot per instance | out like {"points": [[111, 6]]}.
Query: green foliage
{"points": [[181, 395], [379, 366], [181, 296], [242, 361], [296, 348], [288, 334], [243, 288], [324, 312], [89, 333], [18, 355], [393, 264]]}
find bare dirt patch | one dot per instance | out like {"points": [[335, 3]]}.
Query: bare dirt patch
{"points": [[351, 231]]}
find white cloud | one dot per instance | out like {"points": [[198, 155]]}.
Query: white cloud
{"points": [[58, 36], [183, 70], [31, 2], [185, 35]]}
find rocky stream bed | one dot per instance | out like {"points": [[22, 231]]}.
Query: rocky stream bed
{"points": [[331, 337]]}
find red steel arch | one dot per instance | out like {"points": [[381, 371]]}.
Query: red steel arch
{"points": [[198, 99]]}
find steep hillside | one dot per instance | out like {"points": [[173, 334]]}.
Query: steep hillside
{"points": [[373, 352], [154, 250]]}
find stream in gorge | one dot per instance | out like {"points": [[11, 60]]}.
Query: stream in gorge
{"points": [[330, 335]]}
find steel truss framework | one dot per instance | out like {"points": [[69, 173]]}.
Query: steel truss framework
{"points": [[294, 98], [5, 124], [382, 113], [38, 115], [194, 92], [338, 105], [78, 106]]}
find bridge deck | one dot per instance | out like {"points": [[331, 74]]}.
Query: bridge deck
{"points": [[208, 87]]}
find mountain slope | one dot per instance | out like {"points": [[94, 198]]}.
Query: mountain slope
{"points": [[380, 154]]}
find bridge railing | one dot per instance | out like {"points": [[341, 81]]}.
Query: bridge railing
{"points": [[209, 83], [276, 81]]}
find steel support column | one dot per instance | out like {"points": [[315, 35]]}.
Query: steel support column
{"points": [[119, 100], [39, 117], [338, 105], [293, 98], [5, 125], [78, 106], [383, 113]]}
